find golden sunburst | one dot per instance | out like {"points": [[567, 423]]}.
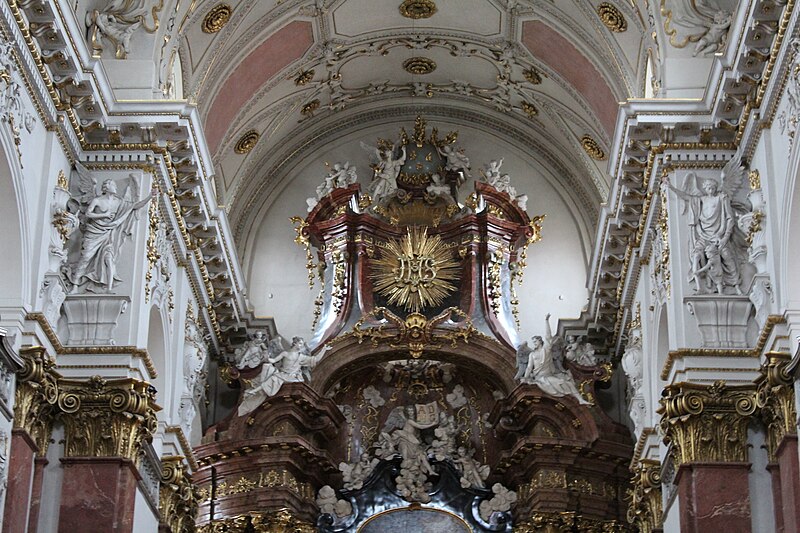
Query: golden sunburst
{"points": [[415, 272]]}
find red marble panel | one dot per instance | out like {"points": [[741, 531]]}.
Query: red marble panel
{"points": [[787, 459], [36, 493], [98, 495], [559, 54], [20, 479], [276, 52], [714, 497]]}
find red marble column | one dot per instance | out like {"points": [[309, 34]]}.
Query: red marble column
{"points": [[786, 457], [36, 493], [20, 480], [714, 497], [98, 494]]}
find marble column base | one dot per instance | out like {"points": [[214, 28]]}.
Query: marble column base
{"points": [[721, 319], [714, 497], [20, 479], [97, 494]]}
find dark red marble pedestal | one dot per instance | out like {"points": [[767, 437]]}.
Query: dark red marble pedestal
{"points": [[20, 480], [714, 497], [98, 494]]}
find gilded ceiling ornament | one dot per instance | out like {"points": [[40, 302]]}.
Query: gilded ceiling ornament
{"points": [[529, 109], [216, 18], [419, 65], [612, 17], [304, 77], [417, 9], [592, 148], [308, 109], [247, 142], [415, 272], [532, 76]]}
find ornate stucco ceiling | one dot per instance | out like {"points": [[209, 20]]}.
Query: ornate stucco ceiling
{"points": [[293, 74]]}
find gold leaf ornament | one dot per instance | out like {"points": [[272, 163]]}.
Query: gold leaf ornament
{"points": [[216, 18], [415, 272]]}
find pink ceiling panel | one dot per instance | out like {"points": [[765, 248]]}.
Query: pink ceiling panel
{"points": [[278, 50]]}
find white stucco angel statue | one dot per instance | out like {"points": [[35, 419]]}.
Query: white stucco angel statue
{"points": [[536, 365], [386, 167], [502, 182], [354, 475], [257, 349], [107, 220], [290, 365], [716, 244]]}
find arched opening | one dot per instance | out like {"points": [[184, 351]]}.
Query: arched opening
{"points": [[156, 347], [13, 261]]}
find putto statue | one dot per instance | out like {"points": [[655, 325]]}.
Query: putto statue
{"points": [[107, 220], [716, 244], [256, 350], [341, 175], [536, 365], [292, 365], [502, 182]]}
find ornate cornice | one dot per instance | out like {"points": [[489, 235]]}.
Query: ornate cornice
{"points": [[107, 418], [707, 423], [178, 497], [282, 520], [775, 400], [36, 396]]}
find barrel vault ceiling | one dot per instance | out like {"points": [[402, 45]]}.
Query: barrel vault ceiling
{"points": [[276, 78]]}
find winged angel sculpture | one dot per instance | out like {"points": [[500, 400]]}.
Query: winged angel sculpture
{"points": [[716, 245], [386, 167], [702, 22], [107, 220]]}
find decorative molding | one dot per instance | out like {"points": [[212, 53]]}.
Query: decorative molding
{"points": [[417, 9], [102, 418], [707, 423], [52, 337], [772, 321], [281, 520], [612, 17], [566, 522], [247, 142], [419, 65], [216, 18], [593, 148]]}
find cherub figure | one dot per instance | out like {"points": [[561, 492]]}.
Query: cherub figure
{"points": [[473, 474]]}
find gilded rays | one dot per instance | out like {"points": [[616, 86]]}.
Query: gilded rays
{"points": [[415, 272]]}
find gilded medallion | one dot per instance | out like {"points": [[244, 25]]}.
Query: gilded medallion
{"points": [[417, 9], [415, 272], [216, 18]]}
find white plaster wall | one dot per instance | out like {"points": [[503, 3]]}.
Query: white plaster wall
{"points": [[144, 520], [555, 279], [760, 483]]}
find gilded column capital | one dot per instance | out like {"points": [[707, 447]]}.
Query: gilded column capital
{"points": [[36, 395], [107, 418], [775, 400], [707, 423], [281, 521], [178, 497], [645, 507]]}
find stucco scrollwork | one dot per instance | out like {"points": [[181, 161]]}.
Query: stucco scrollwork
{"points": [[118, 20], [702, 22]]}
